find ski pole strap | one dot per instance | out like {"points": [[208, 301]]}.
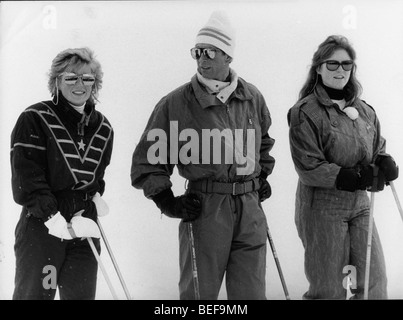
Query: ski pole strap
{"points": [[234, 188], [71, 230]]}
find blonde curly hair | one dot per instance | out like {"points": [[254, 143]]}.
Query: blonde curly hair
{"points": [[68, 60]]}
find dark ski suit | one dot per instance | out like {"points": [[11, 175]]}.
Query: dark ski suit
{"points": [[53, 149], [332, 223], [230, 235]]}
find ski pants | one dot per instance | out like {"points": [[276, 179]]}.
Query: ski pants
{"points": [[229, 238], [44, 262], [333, 227]]}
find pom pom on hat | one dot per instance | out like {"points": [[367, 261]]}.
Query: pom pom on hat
{"points": [[218, 32]]}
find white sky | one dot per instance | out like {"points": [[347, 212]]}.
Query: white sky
{"points": [[143, 47]]}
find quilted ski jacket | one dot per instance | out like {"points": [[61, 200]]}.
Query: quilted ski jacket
{"points": [[183, 116], [323, 138], [54, 148]]}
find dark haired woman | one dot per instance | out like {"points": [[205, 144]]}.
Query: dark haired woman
{"points": [[337, 147]]}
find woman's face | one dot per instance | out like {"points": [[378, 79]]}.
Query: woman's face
{"points": [[338, 78], [79, 92]]}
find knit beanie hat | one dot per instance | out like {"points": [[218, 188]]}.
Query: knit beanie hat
{"points": [[218, 32]]}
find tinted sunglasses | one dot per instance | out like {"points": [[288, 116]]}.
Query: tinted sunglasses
{"points": [[72, 78], [197, 53], [333, 65]]}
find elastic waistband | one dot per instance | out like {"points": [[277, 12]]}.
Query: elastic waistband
{"points": [[234, 188]]}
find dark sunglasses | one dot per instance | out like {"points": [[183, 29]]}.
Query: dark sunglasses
{"points": [[197, 53], [71, 78], [333, 65]]}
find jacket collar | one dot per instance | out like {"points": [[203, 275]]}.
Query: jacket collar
{"points": [[82, 120], [207, 100], [64, 105], [322, 96]]}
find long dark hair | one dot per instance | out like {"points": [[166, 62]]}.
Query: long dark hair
{"points": [[353, 88]]}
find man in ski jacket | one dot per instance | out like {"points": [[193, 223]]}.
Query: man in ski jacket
{"points": [[59, 152], [215, 130]]}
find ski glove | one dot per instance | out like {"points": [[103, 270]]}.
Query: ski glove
{"points": [[101, 205], [78, 227], [186, 207], [359, 178], [90, 211], [70, 202], [388, 166], [265, 188]]}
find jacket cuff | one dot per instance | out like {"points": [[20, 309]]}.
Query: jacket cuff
{"points": [[263, 175], [161, 197]]}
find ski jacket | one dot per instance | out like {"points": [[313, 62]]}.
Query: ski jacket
{"points": [[323, 138], [181, 120], [54, 148]]}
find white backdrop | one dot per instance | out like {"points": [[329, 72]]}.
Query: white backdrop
{"points": [[143, 47]]}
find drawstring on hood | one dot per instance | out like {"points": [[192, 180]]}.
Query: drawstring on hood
{"points": [[85, 119]]}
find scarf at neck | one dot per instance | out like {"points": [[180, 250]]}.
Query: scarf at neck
{"points": [[79, 109], [221, 89], [334, 94]]}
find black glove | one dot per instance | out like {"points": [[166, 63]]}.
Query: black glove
{"points": [[388, 166], [70, 202], [42, 207], [90, 211], [186, 207], [265, 188], [359, 178]]}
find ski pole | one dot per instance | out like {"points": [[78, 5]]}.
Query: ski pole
{"points": [[101, 265], [369, 244], [194, 266], [370, 227], [273, 249], [396, 198], [113, 260]]}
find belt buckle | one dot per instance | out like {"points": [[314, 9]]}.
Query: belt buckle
{"points": [[234, 188]]}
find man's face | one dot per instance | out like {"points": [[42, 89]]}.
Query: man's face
{"points": [[217, 68]]}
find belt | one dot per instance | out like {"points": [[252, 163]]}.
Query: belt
{"points": [[234, 188], [78, 194]]}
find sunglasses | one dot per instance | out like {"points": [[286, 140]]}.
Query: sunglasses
{"points": [[72, 78], [333, 65], [197, 53]]}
